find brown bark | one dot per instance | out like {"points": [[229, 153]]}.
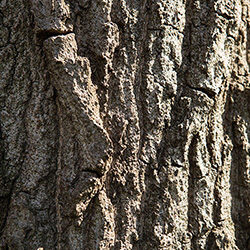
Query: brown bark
{"points": [[124, 124]]}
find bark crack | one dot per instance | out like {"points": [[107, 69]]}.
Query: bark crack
{"points": [[46, 34], [142, 62], [205, 91], [58, 178]]}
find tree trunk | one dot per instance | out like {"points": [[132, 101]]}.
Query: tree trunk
{"points": [[124, 124]]}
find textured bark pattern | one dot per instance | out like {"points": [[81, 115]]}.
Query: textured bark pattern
{"points": [[124, 124]]}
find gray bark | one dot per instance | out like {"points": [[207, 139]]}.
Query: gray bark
{"points": [[124, 124]]}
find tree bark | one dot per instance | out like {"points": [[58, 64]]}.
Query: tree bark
{"points": [[124, 124]]}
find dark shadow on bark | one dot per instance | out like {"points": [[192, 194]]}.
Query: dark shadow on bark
{"points": [[193, 170]]}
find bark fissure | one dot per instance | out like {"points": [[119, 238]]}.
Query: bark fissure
{"points": [[44, 35], [58, 179], [205, 91], [141, 64]]}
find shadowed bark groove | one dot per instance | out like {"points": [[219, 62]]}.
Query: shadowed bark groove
{"points": [[124, 124]]}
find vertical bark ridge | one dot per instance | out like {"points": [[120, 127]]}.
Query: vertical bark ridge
{"points": [[124, 124]]}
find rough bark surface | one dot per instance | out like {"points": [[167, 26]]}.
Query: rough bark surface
{"points": [[124, 124]]}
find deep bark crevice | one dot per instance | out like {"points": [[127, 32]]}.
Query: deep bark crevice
{"points": [[46, 34]]}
